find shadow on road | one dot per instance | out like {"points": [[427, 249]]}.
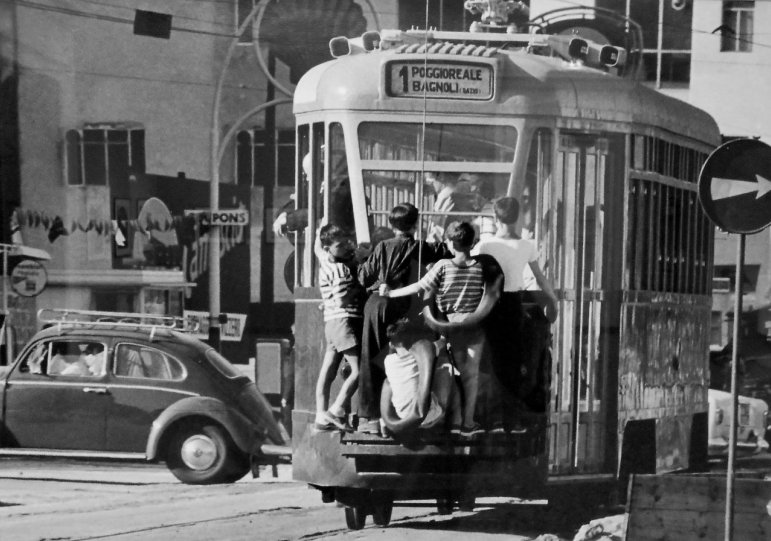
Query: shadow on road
{"points": [[524, 520]]}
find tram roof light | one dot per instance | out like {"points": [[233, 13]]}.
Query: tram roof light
{"points": [[569, 47], [613, 56], [370, 40], [605, 55], [339, 46], [342, 46]]}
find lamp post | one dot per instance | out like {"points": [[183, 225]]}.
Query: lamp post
{"points": [[215, 157]]}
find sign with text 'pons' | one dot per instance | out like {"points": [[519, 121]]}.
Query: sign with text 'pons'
{"points": [[735, 186], [222, 216]]}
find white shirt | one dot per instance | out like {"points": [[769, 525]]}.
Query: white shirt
{"points": [[513, 255], [403, 375]]}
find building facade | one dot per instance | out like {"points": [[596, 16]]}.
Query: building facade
{"points": [[107, 115]]}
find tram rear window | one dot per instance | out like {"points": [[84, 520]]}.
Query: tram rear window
{"points": [[443, 142]]}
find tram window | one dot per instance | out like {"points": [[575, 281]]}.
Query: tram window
{"points": [[472, 196], [340, 202], [443, 142], [669, 239], [537, 174]]}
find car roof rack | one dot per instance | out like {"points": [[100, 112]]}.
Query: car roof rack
{"points": [[65, 317]]}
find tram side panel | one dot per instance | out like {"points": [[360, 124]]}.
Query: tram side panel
{"points": [[663, 381]]}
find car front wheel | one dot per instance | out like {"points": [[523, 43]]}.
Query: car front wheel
{"points": [[200, 455]]}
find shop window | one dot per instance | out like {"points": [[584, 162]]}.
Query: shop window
{"points": [[738, 26], [104, 155]]}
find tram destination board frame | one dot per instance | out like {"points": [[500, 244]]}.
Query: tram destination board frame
{"points": [[440, 79]]}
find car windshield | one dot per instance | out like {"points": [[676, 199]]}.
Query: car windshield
{"points": [[222, 365]]}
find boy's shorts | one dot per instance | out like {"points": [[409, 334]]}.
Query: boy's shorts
{"points": [[343, 333]]}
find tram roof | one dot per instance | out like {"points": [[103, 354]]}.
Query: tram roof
{"points": [[530, 85]]}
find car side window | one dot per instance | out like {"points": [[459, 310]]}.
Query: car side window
{"points": [[76, 358], [36, 362], [66, 358], [135, 361]]}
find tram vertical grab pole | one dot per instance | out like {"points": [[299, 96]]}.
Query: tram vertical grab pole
{"points": [[729, 496]]}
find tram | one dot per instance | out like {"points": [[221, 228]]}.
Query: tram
{"points": [[605, 170]]}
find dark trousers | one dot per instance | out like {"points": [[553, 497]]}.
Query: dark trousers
{"points": [[379, 313]]}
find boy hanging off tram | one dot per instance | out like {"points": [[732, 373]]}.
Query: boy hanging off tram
{"points": [[429, 399], [459, 286], [393, 262], [505, 325], [341, 295]]}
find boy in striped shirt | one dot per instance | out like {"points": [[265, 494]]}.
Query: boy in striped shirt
{"points": [[342, 302], [459, 285]]}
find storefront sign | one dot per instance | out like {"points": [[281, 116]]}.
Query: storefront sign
{"points": [[447, 80], [231, 331]]}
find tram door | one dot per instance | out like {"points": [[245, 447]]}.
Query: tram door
{"points": [[577, 192]]}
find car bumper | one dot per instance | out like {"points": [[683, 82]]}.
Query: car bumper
{"points": [[719, 446]]}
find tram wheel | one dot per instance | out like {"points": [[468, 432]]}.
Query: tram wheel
{"points": [[444, 506], [381, 514], [355, 517]]}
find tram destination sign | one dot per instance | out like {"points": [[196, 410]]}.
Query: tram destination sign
{"points": [[443, 80], [735, 186]]}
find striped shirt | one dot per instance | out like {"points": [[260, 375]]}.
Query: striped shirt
{"points": [[458, 289], [341, 293]]}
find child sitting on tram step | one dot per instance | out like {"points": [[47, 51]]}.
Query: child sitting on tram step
{"points": [[429, 399], [341, 296], [394, 262], [505, 324], [459, 285]]}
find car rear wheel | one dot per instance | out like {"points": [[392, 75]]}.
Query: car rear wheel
{"points": [[201, 455]]}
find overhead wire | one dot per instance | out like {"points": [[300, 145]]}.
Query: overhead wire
{"points": [[109, 18], [422, 146]]}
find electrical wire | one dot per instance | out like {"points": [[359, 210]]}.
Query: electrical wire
{"points": [[175, 15], [109, 18]]}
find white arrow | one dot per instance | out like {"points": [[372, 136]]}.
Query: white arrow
{"points": [[723, 188]]}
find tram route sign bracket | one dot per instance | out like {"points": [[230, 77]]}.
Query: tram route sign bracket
{"points": [[735, 186]]}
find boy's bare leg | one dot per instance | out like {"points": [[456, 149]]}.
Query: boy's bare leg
{"points": [[349, 385], [327, 375], [447, 394], [467, 358]]}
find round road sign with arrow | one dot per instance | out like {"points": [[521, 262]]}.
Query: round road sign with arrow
{"points": [[735, 186]]}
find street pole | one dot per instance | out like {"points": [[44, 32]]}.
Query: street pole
{"points": [[729, 496], [214, 186]]}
